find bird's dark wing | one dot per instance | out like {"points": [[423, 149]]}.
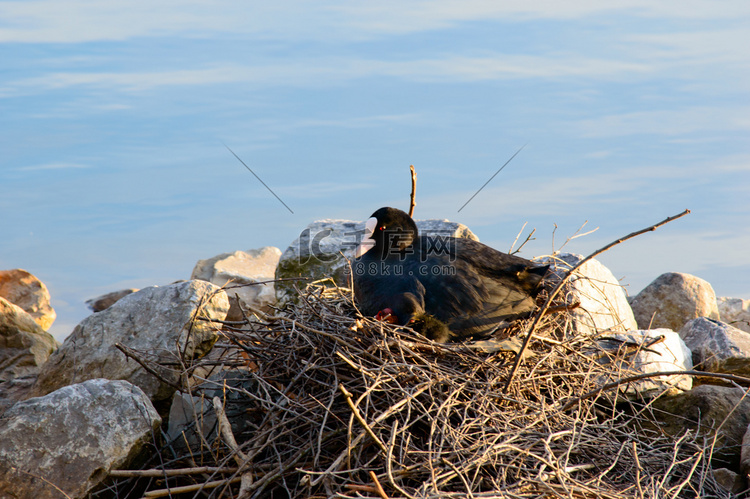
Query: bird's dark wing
{"points": [[473, 287]]}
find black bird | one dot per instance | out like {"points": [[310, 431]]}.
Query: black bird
{"points": [[446, 288]]}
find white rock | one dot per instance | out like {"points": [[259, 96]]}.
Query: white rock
{"points": [[735, 312], [672, 299], [317, 252], [158, 322], [603, 303], [72, 437], [718, 347], [25, 290], [239, 274], [637, 352]]}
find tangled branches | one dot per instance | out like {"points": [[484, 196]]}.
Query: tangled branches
{"points": [[326, 403]]}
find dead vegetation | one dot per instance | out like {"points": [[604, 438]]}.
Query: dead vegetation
{"points": [[322, 402]]}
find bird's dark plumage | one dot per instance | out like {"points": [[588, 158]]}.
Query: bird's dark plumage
{"points": [[447, 288]]}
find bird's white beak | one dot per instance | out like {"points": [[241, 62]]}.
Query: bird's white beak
{"points": [[367, 241]]}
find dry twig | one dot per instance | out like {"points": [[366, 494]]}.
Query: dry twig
{"points": [[413, 197]]}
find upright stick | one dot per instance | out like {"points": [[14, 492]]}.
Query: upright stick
{"points": [[413, 202]]}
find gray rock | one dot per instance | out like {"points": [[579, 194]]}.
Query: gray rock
{"points": [[672, 299], [728, 480], [24, 348], [192, 422], [105, 301], [745, 454], [603, 304], [239, 274], [317, 252], [157, 321], [66, 442], [717, 347], [710, 411], [647, 351], [735, 312], [25, 290], [192, 419]]}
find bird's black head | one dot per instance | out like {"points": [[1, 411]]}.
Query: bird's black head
{"points": [[388, 231]]}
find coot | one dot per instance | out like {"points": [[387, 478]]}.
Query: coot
{"points": [[447, 288]]}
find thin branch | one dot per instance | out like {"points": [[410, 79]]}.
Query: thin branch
{"points": [[638, 469], [562, 282], [510, 251], [361, 420], [269, 281], [135, 355], [528, 238], [576, 235], [189, 488], [378, 487], [636, 377], [361, 488], [225, 428], [413, 202], [155, 473], [13, 468]]}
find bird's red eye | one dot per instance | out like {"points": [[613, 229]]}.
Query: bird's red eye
{"points": [[382, 227]]}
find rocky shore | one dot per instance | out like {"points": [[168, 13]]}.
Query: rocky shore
{"points": [[73, 414]]}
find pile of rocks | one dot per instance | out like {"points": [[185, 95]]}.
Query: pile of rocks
{"points": [[25, 345], [70, 413]]}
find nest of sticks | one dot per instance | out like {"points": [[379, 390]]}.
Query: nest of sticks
{"points": [[323, 402]]}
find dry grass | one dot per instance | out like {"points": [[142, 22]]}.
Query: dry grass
{"points": [[332, 404]]}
